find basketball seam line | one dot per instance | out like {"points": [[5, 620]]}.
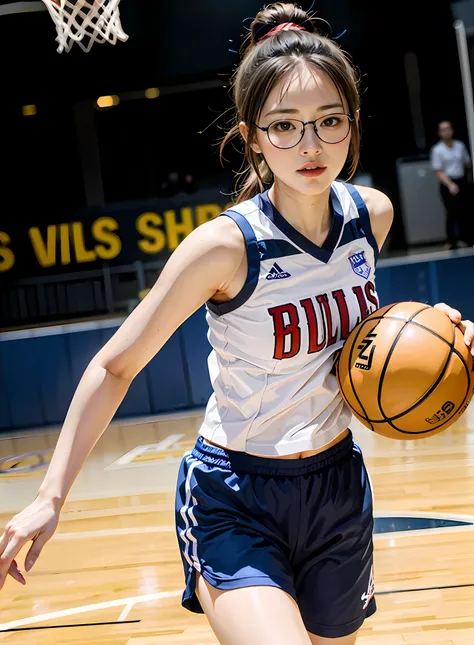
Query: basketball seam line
{"points": [[386, 419], [361, 324], [413, 322], [385, 366], [466, 396], [453, 350], [430, 389]]}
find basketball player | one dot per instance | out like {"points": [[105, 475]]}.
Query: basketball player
{"points": [[273, 505]]}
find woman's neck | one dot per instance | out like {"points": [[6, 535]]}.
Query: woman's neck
{"points": [[308, 214]]}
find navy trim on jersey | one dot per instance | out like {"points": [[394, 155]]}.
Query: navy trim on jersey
{"points": [[364, 218], [322, 253], [352, 231], [253, 270], [272, 249]]}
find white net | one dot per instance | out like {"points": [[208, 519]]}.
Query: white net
{"points": [[85, 22]]}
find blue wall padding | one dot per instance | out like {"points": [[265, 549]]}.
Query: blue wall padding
{"points": [[38, 375]]}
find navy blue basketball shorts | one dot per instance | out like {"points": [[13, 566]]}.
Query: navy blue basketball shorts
{"points": [[302, 525]]}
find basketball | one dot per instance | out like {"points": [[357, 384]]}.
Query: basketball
{"points": [[406, 372]]}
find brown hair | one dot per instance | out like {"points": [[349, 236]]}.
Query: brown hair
{"points": [[265, 62]]}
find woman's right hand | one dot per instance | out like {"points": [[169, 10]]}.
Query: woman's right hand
{"points": [[37, 522], [453, 189]]}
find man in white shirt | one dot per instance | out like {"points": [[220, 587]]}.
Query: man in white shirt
{"points": [[450, 159]]}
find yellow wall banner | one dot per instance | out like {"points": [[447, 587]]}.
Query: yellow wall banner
{"points": [[120, 235]]}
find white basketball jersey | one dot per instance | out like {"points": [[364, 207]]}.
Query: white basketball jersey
{"points": [[274, 344]]}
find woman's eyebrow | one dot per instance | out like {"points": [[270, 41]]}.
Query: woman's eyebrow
{"points": [[322, 108]]}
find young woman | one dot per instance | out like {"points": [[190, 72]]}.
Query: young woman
{"points": [[273, 505]]}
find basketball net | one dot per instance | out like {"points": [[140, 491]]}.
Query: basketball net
{"points": [[85, 22]]}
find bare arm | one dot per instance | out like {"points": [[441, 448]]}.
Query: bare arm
{"points": [[444, 179], [380, 211], [202, 265]]}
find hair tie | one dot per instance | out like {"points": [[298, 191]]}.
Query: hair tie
{"points": [[285, 26]]}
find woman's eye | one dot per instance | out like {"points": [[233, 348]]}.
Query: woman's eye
{"points": [[283, 126], [331, 122]]}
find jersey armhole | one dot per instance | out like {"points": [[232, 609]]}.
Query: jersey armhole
{"points": [[253, 268], [364, 218]]}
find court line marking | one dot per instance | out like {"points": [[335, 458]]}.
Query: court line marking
{"points": [[379, 515], [32, 620], [408, 453], [100, 624], [397, 535], [110, 532], [100, 513], [392, 535], [195, 413], [439, 588], [435, 515], [172, 442], [420, 467], [128, 603], [125, 612]]}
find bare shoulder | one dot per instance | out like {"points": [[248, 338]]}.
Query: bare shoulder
{"points": [[224, 231], [219, 241], [380, 211], [375, 199]]}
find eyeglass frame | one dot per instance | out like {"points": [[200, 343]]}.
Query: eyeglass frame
{"points": [[304, 124]]}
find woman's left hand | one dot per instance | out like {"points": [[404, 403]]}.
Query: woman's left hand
{"points": [[466, 326]]}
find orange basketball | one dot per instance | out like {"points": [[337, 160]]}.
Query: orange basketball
{"points": [[406, 372]]}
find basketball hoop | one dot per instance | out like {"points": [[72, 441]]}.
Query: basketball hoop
{"points": [[85, 22]]}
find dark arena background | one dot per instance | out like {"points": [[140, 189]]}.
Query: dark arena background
{"points": [[109, 159]]}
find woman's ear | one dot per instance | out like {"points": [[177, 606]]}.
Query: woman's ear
{"points": [[244, 131]]}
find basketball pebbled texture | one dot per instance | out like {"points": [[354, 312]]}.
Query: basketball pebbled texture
{"points": [[406, 372]]}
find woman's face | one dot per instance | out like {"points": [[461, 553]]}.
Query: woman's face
{"points": [[310, 95]]}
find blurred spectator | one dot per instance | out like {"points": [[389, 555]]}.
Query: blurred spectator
{"points": [[170, 185], [450, 159], [189, 183], [177, 182]]}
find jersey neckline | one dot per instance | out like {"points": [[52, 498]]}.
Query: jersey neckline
{"points": [[322, 253]]}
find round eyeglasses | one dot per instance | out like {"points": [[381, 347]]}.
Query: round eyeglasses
{"points": [[287, 133]]}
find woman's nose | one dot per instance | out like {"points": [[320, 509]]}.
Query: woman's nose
{"points": [[310, 141]]}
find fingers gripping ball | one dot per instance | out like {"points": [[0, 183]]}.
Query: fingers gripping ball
{"points": [[406, 372]]}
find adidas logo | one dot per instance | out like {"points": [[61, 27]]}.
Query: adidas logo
{"points": [[277, 273]]}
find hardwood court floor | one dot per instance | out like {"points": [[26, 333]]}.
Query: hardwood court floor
{"points": [[112, 572]]}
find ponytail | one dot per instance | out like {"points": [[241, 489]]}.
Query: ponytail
{"points": [[255, 177]]}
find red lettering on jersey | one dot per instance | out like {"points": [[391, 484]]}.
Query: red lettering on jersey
{"points": [[286, 320], [340, 298], [314, 346], [364, 312], [281, 331], [326, 311], [371, 295]]}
